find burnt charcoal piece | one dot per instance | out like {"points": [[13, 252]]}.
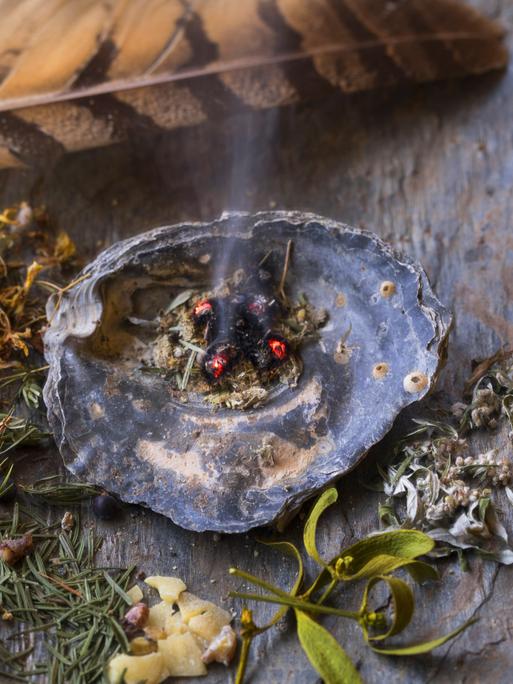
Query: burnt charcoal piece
{"points": [[201, 465], [221, 324], [203, 311], [244, 335], [269, 351], [259, 355], [220, 358], [261, 310]]}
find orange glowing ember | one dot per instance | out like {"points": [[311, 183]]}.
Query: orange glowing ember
{"points": [[278, 348], [201, 308], [218, 365]]}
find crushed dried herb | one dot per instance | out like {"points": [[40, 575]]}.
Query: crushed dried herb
{"points": [[178, 346]]}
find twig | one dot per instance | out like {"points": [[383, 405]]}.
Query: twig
{"points": [[296, 603], [264, 258], [281, 288], [62, 584]]}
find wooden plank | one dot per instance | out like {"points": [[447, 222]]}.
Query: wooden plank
{"points": [[428, 169]]}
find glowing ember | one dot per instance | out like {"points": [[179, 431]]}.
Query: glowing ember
{"points": [[217, 365], [219, 360], [237, 326], [202, 311], [278, 348]]}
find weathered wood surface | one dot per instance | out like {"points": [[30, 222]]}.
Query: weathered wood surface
{"points": [[431, 170]]}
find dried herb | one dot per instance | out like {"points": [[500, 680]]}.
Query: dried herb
{"points": [[374, 559], [53, 490], [6, 483], [29, 247], [48, 579], [434, 484], [179, 344], [15, 430]]}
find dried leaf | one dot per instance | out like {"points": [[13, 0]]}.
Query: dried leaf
{"points": [[180, 299], [32, 272], [494, 525], [413, 503], [386, 514], [483, 367], [324, 653], [65, 248]]}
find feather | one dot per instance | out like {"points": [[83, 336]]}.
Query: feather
{"points": [[89, 73]]}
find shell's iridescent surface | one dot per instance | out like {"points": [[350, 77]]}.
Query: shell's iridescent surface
{"points": [[230, 470]]}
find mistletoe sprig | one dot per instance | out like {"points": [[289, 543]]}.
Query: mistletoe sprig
{"points": [[373, 559]]}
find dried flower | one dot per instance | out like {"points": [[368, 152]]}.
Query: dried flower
{"points": [[446, 490]]}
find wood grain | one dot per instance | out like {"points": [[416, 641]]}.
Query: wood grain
{"points": [[427, 168]]}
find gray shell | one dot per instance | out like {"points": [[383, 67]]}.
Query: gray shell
{"points": [[121, 428]]}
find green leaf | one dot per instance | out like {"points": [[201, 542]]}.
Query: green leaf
{"points": [[403, 606], [383, 564], [290, 550], [399, 543], [325, 653], [325, 500], [426, 646]]}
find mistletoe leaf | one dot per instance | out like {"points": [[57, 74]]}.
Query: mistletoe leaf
{"points": [[426, 646], [403, 606], [325, 653], [325, 500]]}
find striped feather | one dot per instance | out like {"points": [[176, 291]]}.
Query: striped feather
{"points": [[101, 71]]}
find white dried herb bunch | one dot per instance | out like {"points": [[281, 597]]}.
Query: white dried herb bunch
{"points": [[436, 485]]}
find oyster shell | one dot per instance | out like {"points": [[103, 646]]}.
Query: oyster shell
{"points": [[123, 429]]}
